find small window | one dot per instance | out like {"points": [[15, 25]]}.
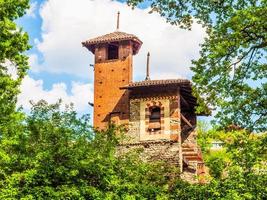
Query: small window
{"points": [[154, 119], [113, 51]]}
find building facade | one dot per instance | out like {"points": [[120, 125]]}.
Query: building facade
{"points": [[160, 114]]}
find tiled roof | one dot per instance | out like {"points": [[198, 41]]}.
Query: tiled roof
{"points": [[184, 84], [112, 37], [157, 82]]}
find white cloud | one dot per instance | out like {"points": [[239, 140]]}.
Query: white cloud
{"points": [[66, 23], [33, 62], [31, 11], [33, 90], [11, 69]]}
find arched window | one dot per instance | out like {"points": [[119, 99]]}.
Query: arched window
{"points": [[154, 119]]}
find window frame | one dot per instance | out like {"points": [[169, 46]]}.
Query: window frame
{"points": [[113, 54], [154, 120]]}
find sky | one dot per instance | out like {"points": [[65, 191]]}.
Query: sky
{"points": [[60, 66]]}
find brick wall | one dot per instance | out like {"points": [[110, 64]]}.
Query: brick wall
{"points": [[169, 122], [110, 75]]}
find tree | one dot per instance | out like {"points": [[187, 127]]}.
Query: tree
{"points": [[245, 174], [56, 155], [13, 44], [238, 170], [231, 73]]}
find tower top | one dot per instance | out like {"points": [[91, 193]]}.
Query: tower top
{"points": [[113, 37], [116, 36]]}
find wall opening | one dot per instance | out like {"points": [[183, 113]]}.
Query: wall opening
{"points": [[113, 51], [154, 119]]}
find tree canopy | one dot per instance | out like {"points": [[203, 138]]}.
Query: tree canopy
{"points": [[56, 155], [13, 44], [230, 74], [238, 168]]}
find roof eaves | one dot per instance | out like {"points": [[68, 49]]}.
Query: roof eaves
{"points": [[152, 83]]}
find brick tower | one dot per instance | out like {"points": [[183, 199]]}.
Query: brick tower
{"points": [[112, 70], [160, 114]]}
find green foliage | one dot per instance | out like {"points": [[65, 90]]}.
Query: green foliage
{"points": [[204, 138], [217, 162], [232, 67], [55, 155], [216, 159], [231, 72], [13, 43], [239, 169]]}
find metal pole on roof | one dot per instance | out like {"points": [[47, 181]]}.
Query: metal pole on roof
{"points": [[118, 20], [147, 67]]}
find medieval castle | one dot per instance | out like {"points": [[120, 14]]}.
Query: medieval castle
{"points": [[160, 114]]}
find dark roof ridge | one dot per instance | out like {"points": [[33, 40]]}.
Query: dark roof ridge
{"points": [[157, 82], [115, 36], [112, 37]]}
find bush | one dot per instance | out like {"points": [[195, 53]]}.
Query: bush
{"points": [[53, 154]]}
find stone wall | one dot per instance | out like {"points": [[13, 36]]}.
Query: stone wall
{"points": [[153, 151], [163, 145], [134, 122]]}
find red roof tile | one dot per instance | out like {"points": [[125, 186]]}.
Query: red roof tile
{"points": [[113, 37]]}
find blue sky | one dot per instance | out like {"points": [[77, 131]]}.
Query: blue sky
{"points": [[32, 23], [60, 65]]}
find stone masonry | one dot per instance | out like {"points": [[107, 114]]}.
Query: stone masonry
{"points": [[160, 114]]}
